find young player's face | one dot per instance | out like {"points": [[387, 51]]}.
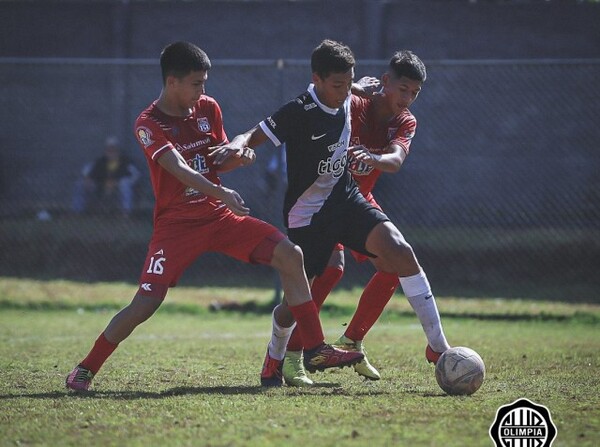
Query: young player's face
{"points": [[334, 89], [187, 90], [400, 92]]}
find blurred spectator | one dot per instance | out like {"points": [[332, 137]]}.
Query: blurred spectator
{"points": [[107, 182]]}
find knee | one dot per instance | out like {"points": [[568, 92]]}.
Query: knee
{"points": [[288, 257]]}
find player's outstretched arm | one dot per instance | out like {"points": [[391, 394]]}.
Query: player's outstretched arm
{"points": [[235, 148], [390, 161], [174, 163]]}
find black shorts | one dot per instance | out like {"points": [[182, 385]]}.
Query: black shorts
{"points": [[350, 226]]}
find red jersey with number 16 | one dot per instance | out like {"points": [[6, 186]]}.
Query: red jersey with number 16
{"points": [[376, 137], [191, 136]]}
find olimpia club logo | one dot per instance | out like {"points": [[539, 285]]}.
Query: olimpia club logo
{"points": [[523, 424]]}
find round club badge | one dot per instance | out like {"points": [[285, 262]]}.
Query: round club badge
{"points": [[523, 424]]}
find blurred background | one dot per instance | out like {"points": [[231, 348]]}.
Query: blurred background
{"points": [[500, 195]]}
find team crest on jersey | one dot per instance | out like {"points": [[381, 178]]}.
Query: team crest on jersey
{"points": [[409, 134], [203, 124], [145, 136]]}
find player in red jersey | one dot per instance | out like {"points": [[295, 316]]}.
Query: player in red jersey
{"points": [[382, 130], [195, 214]]}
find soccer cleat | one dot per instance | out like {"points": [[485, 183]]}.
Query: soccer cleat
{"points": [[431, 355], [293, 370], [80, 379], [363, 368], [271, 372], [327, 356]]}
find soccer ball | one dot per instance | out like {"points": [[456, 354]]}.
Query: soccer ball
{"points": [[459, 371]]}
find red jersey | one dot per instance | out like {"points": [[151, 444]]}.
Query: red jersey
{"points": [[366, 130], [191, 136]]}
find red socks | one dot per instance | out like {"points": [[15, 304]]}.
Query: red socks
{"points": [[100, 352], [321, 287], [308, 324], [376, 295], [324, 284]]}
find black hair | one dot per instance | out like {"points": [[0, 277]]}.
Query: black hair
{"points": [[331, 57], [406, 63], [180, 58]]}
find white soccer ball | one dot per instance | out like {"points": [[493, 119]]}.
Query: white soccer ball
{"points": [[460, 371]]}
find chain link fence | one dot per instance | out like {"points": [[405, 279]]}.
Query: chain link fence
{"points": [[500, 195]]}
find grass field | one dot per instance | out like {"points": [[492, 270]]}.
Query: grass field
{"points": [[190, 376]]}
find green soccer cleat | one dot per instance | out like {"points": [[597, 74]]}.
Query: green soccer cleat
{"points": [[294, 373], [363, 368]]}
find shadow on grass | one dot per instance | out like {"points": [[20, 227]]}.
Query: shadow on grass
{"points": [[255, 308], [319, 389]]}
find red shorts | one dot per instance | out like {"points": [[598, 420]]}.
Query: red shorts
{"points": [[175, 244], [359, 257]]}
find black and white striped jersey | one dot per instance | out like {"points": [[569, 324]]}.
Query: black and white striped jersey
{"points": [[316, 140]]}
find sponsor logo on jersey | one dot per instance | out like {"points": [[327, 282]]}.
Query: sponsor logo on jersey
{"points": [[333, 147], [312, 105], [359, 167], [181, 148], [317, 137], [271, 122], [203, 124], [144, 136], [332, 166], [198, 164]]}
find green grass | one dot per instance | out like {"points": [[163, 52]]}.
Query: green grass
{"points": [[190, 377]]}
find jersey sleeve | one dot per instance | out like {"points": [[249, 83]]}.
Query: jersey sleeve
{"points": [[405, 133], [151, 138], [281, 124]]}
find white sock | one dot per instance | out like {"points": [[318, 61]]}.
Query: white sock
{"points": [[418, 292], [279, 340]]}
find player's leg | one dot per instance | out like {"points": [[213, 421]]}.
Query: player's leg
{"points": [[273, 248], [298, 306], [119, 328], [375, 296], [293, 365], [159, 271], [386, 241], [373, 300]]}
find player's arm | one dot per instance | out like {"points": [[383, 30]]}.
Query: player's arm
{"points": [[241, 145], [175, 165], [390, 161]]}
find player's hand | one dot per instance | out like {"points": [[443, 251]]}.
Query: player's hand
{"points": [[233, 201], [224, 152], [367, 87], [362, 154], [248, 156]]}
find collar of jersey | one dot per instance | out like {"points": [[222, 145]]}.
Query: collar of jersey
{"points": [[311, 90]]}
